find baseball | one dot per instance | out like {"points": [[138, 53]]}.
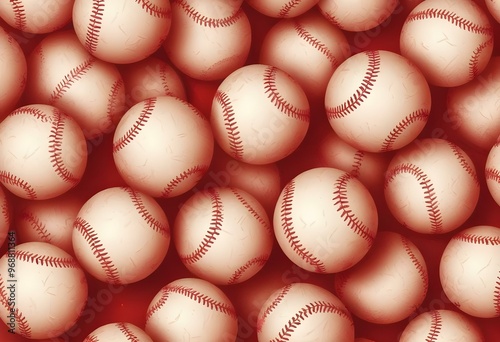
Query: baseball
{"points": [[35, 16], [492, 172], [377, 101], [208, 40], [223, 235], [118, 332], [13, 69], [5, 218], [451, 41], [308, 48], [45, 291], [469, 271], [110, 30], [63, 74], [474, 109], [48, 221], [431, 186], [357, 15], [325, 220], [42, 138], [388, 284], [442, 326], [259, 114], [493, 7], [282, 8], [120, 236], [304, 312], [162, 146], [191, 307]]}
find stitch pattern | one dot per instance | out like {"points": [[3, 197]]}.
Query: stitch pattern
{"points": [[496, 296], [144, 116], [478, 239], [22, 322], [45, 260], [206, 21], [95, 25], [35, 112], [474, 61], [418, 115], [154, 10], [281, 295], [341, 201], [9, 178], [430, 197], [113, 98], [258, 262], [152, 222], [159, 304], [252, 211], [289, 230], [91, 338], [37, 225], [89, 234], [340, 283], [127, 332], [306, 312], [74, 75], [420, 268], [316, 43], [19, 14], [5, 211], [363, 90], [356, 166], [213, 230], [233, 134], [285, 10], [163, 73], [455, 19], [332, 19], [436, 325], [198, 170], [463, 162], [492, 174], [275, 97]]}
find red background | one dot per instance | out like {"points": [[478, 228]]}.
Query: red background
{"points": [[129, 303]]}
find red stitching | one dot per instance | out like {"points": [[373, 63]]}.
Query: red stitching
{"points": [[147, 111], [463, 162], [289, 230], [213, 230], [164, 81], [430, 196], [341, 200], [36, 112], [474, 61], [418, 115], [195, 170], [356, 166], [74, 75], [340, 283], [19, 14], [154, 10], [332, 19], [113, 98], [152, 222], [496, 296], [159, 304], [274, 305], [91, 338], [206, 21], [5, 208], [127, 332], [285, 10], [89, 234], [37, 225], [433, 13], [316, 43], [436, 325], [311, 308], [22, 322], [363, 90], [478, 239], [45, 260], [233, 134], [258, 261], [9, 178], [95, 25], [420, 268], [492, 174], [252, 211], [273, 94]]}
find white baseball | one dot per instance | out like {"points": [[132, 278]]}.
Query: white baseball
{"points": [[431, 186], [451, 41], [65, 75], [49, 221], [357, 15], [5, 215], [35, 16], [48, 294], [193, 308], [377, 101], [492, 172], [470, 271], [13, 69], [259, 114], [118, 332], [493, 7], [442, 326], [474, 109], [120, 235], [208, 40], [282, 8], [223, 235], [304, 312], [110, 30], [37, 155], [162, 146], [325, 220], [308, 48], [388, 284]]}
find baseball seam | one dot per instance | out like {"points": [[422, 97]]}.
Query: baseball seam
{"points": [[22, 322], [357, 162], [154, 10], [91, 338], [257, 261], [195, 170], [286, 9], [418, 115], [252, 211], [127, 332], [496, 296], [330, 17], [430, 197], [420, 268], [492, 174], [455, 19], [55, 149], [230, 124], [95, 25], [340, 283], [206, 21], [213, 230], [8, 178], [74, 75], [341, 201], [279, 298], [37, 225], [289, 230], [98, 250], [113, 99], [474, 61], [436, 325], [19, 14], [36, 112], [478, 239], [278, 101], [45, 260], [363, 90], [316, 43], [5, 210], [464, 162], [144, 116], [159, 304]]}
